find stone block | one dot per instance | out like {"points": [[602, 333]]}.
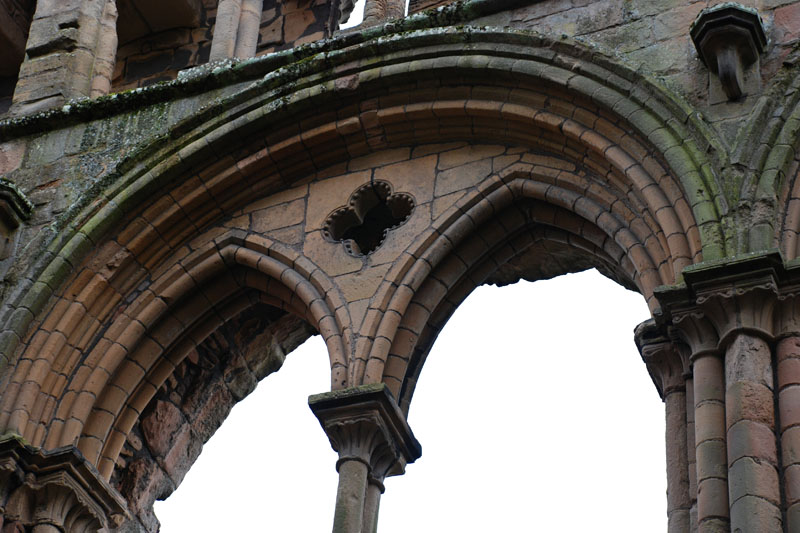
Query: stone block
{"points": [[159, 428], [748, 477], [751, 439], [752, 513], [462, 177]]}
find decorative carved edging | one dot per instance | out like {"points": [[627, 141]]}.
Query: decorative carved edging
{"points": [[365, 424], [57, 487], [721, 297]]}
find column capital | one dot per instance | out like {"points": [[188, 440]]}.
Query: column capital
{"points": [[720, 298], [56, 487], [365, 424], [667, 362]]}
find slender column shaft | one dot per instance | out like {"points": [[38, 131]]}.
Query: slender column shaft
{"points": [[753, 485], [788, 358], [691, 461], [371, 506], [350, 497], [249, 22], [712, 469], [678, 502], [106, 51], [223, 43], [379, 11]]}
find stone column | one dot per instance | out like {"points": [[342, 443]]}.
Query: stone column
{"points": [[742, 311], [370, 433], [788, 359], [379, 11], [668, 368], [249, 25], [750, 302], [710, 511], [70, 52], [54, 492], [754, 490], [223, 42], [710, 450], [106, 56], [691, 458]]}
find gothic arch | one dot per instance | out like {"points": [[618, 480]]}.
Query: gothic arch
{"points": [[153, 259], [519, 208]]}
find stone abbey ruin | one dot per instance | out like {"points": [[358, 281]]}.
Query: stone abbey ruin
{"points": [[191, 188]]}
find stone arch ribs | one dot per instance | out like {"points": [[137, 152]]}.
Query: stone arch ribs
{"points": [[636, 152], [94, 400], [509, 213]]}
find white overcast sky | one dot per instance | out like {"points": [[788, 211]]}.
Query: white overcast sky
{"points": [[534, 411]]}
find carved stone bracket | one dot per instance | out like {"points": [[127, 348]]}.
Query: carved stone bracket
{"points": [[729, 37], [56, 488], [365, 424], [666, 363], [14, 206]]}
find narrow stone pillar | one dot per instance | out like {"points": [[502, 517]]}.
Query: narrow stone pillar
{"points": [[223, 42], [70, 50], [711, 454], [788, 360], [54, 492], [371, 506], [106, 51], [691, 458], [379, 11], [668, 368], [249, 25], [370, 433], [754, 490], [350, 496]]}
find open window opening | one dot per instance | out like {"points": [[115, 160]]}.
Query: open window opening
{"points": [[15, 22], [529, 390], [158, 39]]}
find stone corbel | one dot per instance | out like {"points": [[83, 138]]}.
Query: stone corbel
{"points": [[729, 38], [14, 206], [55, 491], [666, 363]]}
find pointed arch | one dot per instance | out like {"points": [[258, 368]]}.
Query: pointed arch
{"points": [[652, 205]]}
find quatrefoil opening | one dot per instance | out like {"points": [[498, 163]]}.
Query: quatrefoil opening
{"points": [[372, 211]]}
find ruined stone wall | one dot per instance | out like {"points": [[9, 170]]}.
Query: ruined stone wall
{"points": [[159, 56], [652, 36], [15, 19], [580, 134], [195, 400]]}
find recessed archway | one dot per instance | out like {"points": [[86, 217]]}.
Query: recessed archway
{"points": [[560, 388]]}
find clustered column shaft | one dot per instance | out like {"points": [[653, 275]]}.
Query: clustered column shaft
{"points": [[739, 323], [752, 452], [710, 451], [236, 29], [788, 359]]}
